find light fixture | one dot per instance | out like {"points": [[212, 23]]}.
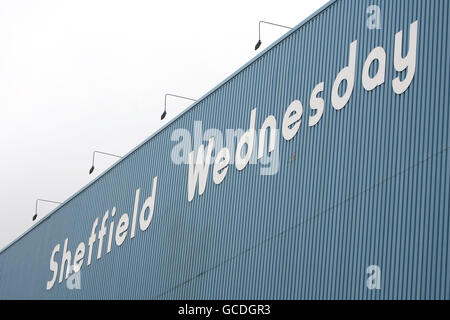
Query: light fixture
{"points": [[258, 44], [43, 200], [165, 102], [101, 152]]}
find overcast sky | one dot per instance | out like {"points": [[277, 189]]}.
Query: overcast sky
{"points": [[78, 76]]}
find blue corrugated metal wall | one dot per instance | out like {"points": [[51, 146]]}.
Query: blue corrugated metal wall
{"points": [[370, 184]]}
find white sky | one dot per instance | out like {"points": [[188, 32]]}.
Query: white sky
{"points": [[84, 75]]}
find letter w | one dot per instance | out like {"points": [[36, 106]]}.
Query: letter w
{"points": [[199, 170]]}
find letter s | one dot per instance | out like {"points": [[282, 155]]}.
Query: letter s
{"points": [[316, 103], [53, 267]]}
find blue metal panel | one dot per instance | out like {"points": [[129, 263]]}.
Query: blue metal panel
{"points": [[369, 185]]}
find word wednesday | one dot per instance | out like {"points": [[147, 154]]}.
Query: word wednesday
{"points": [[198, 173]]}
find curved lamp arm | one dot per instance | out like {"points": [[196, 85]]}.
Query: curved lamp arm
{"points": [[258, 44], [43, 200], [100, 152], [175, 96]]}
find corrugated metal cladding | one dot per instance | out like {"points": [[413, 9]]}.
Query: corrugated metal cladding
{"points": [[369, 184]]}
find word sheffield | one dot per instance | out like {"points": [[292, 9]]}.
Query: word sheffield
{"points": [[198, 171], [117, 235]]}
